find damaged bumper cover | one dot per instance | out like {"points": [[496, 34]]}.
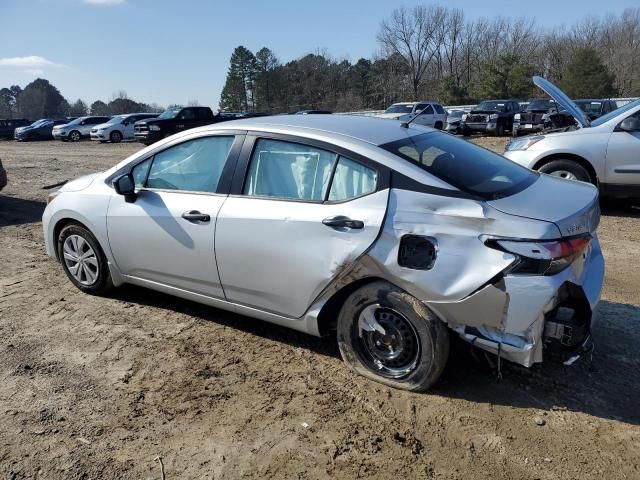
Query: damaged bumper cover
{"points": [[520, 316]]}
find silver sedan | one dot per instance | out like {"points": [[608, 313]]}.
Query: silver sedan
{"points": [[394, 236]]}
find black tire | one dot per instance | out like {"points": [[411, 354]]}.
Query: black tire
{"points": [[74, 136], [438, 126], [102, 283], [558, 166], [499, 130], [115, 137], [427, 338]]}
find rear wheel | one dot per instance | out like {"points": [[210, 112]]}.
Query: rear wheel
{"points": [[115, 137], [567, 169], [83, 260], [391, 337], [438, 126], [74, 136]]}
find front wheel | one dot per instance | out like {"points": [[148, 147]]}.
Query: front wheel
{"points": [[74, 136], [391, 337], [83, 260], [115, 137], [567, 169]]}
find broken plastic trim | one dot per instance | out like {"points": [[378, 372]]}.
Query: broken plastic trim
{"points": [[541, 257]]}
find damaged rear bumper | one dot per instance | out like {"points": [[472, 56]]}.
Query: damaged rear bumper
{"points": [[520, 317]]}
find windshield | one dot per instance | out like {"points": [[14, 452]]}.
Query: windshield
{"points": [[541, 105], [495, 106], [40, 122], [169, 113], [615, 113], [116, 119], [462, 164], [589, 107], [399, 109]]}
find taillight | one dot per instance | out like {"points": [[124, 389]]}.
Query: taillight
{"points": [[543, 257]]}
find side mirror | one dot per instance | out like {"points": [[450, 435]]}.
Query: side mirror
{"points": [[630, 124], [124, 185]]}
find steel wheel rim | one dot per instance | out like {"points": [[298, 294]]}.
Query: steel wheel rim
{"points": [[387, 342], [566, 174], [81, 260]]}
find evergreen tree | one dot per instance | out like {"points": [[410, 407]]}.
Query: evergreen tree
{"points": [[265, 79], [237, 93], [78, 109], [100, 108], [507, 77], [40, 99], [585, 76]]}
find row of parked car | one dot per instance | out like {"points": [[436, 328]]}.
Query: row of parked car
{"points": [[147, 128], [497, 117]]}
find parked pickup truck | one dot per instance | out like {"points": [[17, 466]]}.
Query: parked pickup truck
{"points": [[492, 117], [172, 121]]}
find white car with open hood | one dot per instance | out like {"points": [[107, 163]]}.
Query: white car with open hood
{"points": [[605, 151]]}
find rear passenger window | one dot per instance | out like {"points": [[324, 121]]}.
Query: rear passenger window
{"points": [[351, 180], [426, 109], [195, 165], [294, 171], [438, 108], [289, 170]]}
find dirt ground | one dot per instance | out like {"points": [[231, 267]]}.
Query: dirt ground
{"points": [[99, 388]]}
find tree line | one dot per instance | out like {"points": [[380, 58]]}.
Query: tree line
{"points": [[40, 99], [435, 52]]}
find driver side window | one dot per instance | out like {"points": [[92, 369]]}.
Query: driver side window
{"points": [[195, 165]]}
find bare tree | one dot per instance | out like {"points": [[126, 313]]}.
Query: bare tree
{"points": [[414, 35]]}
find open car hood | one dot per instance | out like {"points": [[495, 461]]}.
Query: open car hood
{"points": [[563, 100]]}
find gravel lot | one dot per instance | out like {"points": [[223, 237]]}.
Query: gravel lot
{"points": [[100, 387]]}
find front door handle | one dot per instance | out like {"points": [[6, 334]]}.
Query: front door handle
{"points": [[343, 222], [196, 216]]}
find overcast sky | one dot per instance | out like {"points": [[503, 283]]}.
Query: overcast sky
{"points": [[170, 51]]}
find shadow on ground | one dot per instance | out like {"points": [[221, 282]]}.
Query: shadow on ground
{"points": [[622, 207], [18, 211], [605, 388]]}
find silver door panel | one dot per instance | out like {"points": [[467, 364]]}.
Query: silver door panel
{"points": [[277, 255], [623, 158], [150, 240]]}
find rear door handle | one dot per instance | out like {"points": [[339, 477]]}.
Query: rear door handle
{"points": [[196, 216], [343, 222]]}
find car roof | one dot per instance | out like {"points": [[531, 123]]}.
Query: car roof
{"points": [[376, 131]]}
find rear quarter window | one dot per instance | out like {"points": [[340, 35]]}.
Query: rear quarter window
{"points": [[463, 165]]}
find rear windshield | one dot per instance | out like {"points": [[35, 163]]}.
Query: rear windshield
{"points": [[463, 165], [540, 105]]}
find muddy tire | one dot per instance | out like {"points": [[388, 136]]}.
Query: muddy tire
{"points": [[83, 260], [389, 336], [567, 169]]}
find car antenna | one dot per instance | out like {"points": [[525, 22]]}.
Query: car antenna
{"points": [[406, 124]]}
